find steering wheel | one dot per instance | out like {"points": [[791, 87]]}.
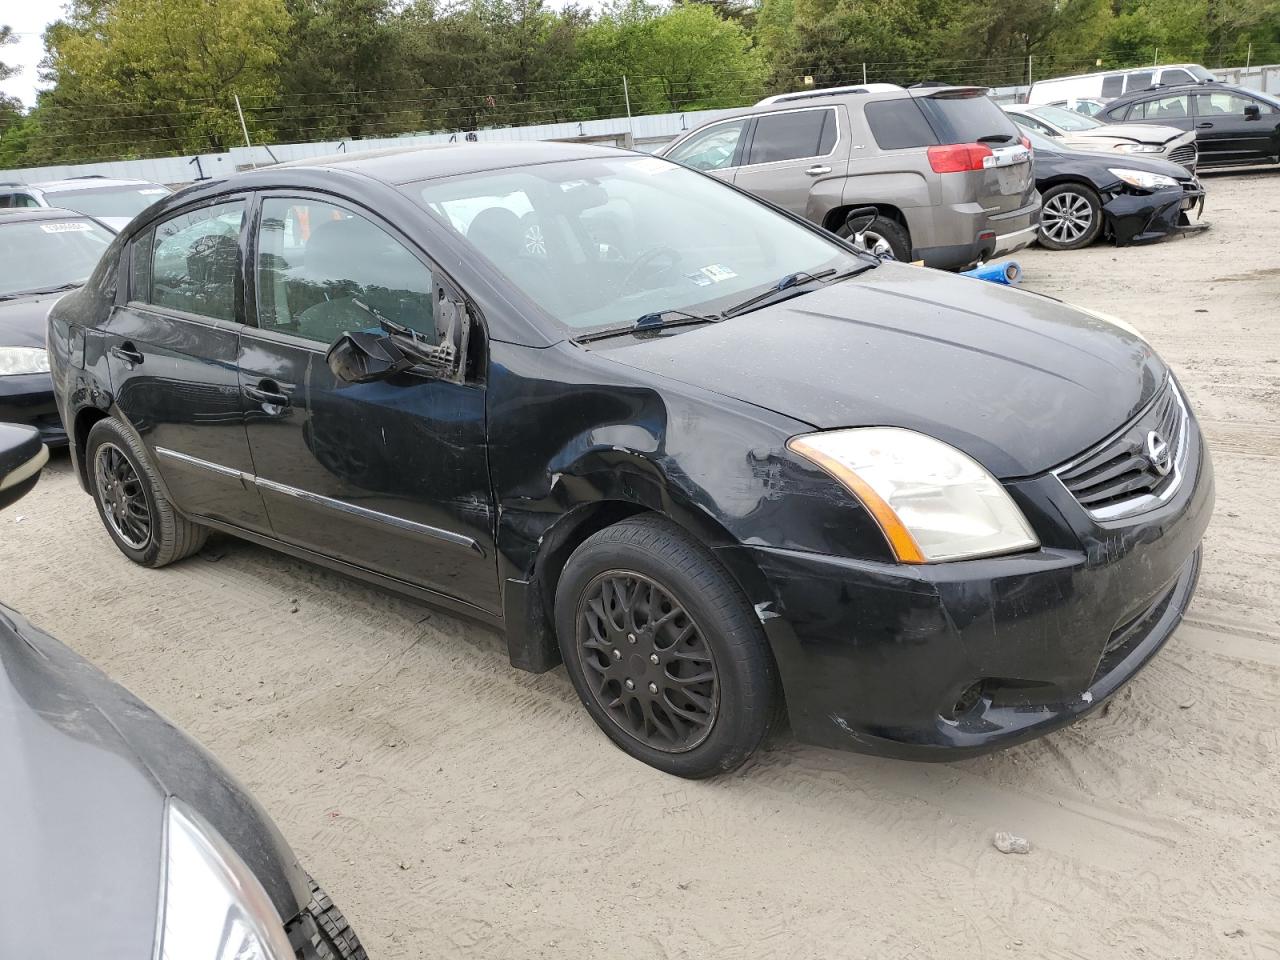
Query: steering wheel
{"points": [[644, 264]]}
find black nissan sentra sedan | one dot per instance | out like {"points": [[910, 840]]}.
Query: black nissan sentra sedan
{"points": [[43, 253], [711, 456], [122, 837]]}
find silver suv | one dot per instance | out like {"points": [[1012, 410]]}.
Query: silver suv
{"points": [[949, 175]]}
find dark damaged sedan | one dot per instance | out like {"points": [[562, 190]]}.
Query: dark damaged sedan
{"points": [[714, 458], [1089, 195], [123, 838]]}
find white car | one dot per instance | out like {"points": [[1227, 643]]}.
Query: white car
{"points": [[109, 201], [1078, 132]]}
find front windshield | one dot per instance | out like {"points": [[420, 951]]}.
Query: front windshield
{"points": [[125, 202], [1199, 72], [601, 242], [48, 254], [1067, 120]]}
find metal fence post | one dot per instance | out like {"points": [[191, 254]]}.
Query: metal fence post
{"points": [[243, 129], [864, 74], [626, 95]]}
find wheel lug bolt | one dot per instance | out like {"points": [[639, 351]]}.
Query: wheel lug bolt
{"points": [[653, 658], [631, 638], [630, 684], [653, 688], [617, 654]]}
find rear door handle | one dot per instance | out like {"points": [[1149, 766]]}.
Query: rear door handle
{"points": [[128, 353], [818, 170], [267, 393]]}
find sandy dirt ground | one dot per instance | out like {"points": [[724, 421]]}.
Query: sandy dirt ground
{"points": [[456, 808]]}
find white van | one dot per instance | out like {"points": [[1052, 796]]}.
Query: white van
{"points": [[1110, 84]]}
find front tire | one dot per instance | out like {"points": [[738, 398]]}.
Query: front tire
{"points": [[1070, 217], [664, 649], [132, 505]]}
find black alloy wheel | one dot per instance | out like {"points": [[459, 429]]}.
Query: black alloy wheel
{"points": [[647, 663], [121, 496]]}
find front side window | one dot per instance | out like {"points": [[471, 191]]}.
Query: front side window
{"points": [[1176, 75], [713, 148], [1139, 81], [324, 271], [794, 135], [195, 261], [1227, 105], [37, 255], [621, 238], [1113, 85]]}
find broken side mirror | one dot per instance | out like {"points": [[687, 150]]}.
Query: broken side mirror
{"points": [[1253, 112], [859, 219], [361, 357], [22, 457]]}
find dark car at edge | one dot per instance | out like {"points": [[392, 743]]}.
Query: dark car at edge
{"points": [[713, 458], [1089, 195], [124, 837]]}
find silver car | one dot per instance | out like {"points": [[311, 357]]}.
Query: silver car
{"points": [[947, 173], [1078, 132], [113, 202]]}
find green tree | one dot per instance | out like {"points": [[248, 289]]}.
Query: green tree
{"points": [[10, 107]]}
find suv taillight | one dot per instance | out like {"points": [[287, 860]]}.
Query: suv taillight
{"points": [[1026, 142], [958, 157]]}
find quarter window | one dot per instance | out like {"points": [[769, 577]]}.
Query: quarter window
{"points": [[713, 149], [195, 261], [794, 135], [324, 271]]}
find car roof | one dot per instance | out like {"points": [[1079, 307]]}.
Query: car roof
{"points": [[92, 182], [400, 165], [1163, 89], [17, 214]]}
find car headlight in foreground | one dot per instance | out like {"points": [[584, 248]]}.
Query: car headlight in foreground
{"points": [[17, 360], [1143, 180], [214, 907], [932, 501], [1138, 148]]}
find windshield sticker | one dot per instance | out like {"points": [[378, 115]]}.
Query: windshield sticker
{"points": [[651, 165], [153, 191], [716, 272], [65, 227]]}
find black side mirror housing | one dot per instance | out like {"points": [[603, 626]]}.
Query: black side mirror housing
{"points": [[1253, 112], [859, 219], [360, 357], [22, 457]]}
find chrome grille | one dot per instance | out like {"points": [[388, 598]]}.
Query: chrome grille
{"points": [[1187, 155], [1138, 467]]}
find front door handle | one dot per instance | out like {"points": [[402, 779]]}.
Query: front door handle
{"points": [[128, 353], [267, 393], [818, 170], [1203, 126]]}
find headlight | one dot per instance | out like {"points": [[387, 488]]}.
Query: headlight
{"points": [[214, 907], [1143, 180], [16, 360], [932, 501], [1138, 148]]}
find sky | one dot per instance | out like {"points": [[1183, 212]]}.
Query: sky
{"points": [[28, 19]]}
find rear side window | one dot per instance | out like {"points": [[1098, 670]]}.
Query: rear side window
{"points": [[195, 261], [966, 119], [899, 124], [1113, 85], [793, 136], [1161, 108]]}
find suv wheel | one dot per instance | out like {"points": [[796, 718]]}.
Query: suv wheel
{"points": [[137, 515], [883, 237], [1070, 217], [663, 649]]}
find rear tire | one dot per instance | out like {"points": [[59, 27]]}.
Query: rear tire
{"points": [[664, 649], [132, 505], [883, 237], [1070, 217]]}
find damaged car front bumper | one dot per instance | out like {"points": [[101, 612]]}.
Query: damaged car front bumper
{"points": [[1144, 217]]}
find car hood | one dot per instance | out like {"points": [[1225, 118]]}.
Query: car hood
{"points": [[1133, 132], [1020, 382], [22, 320], [87, 771]]}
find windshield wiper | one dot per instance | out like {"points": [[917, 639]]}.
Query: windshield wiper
{"points": [[658, 320], [995, 138], [42, 290], [788, 283]]}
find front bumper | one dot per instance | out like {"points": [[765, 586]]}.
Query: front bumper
{"points": [[1146, 218], [28, 398], [940, 661]]}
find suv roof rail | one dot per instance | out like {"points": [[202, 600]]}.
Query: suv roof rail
{"points": [[830, 92], [89, 176]]}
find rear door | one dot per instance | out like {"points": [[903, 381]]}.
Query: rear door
{"points": [[1224, 132], [393, 475], [1172, 110], [172, 349], [792, 152]]}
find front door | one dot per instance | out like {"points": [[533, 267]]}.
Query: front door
{"points": [[172, 357], [1226, 134], [792, 151], [391, 476]]}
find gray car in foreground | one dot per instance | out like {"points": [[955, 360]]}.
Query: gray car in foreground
{"points": [[946, 171], [124, 839]]}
